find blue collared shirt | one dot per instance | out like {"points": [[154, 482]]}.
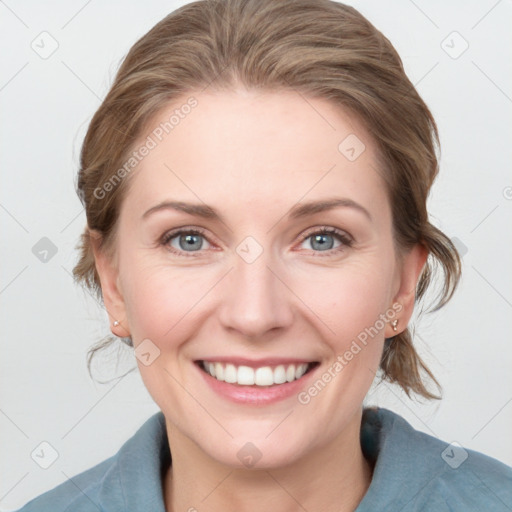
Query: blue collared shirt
{"points": [[413, 472]]}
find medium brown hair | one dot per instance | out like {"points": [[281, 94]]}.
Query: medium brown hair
{"points": [[320, 49]]}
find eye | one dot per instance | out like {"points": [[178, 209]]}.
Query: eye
{"points": [[185, 240], [192, 240], [323, 240]]}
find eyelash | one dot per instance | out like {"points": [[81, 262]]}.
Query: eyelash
{"points": [[345, 240]]}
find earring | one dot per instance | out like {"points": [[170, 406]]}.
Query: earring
{"points": [[116, 323], [394, 324]]}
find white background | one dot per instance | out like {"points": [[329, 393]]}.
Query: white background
{"points": [[48, 324]]}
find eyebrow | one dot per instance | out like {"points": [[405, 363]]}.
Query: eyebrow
{"points": [[298, 211]]}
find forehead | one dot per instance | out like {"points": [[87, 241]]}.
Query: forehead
{"points": [[255, 149]]}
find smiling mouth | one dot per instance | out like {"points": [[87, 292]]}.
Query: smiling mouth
{"points": [[263, 376]]}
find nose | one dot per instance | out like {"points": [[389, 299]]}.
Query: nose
{"points": [[255, 298]]}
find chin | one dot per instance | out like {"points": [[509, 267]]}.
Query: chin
{"points": [[257, 456], [256, 449]]}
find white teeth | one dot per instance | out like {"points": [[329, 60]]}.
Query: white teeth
{"points": [[300, 371], [279, 374], [247, 376], [230, 373], [219, 371], [264, 376]]}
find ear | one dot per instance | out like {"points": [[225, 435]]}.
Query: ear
{"points": [[109, 279], [413, 263]]}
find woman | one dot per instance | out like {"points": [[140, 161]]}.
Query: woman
{"points": [[255, 184]]}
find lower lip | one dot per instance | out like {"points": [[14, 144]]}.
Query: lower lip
{"points": [[256, 395]]}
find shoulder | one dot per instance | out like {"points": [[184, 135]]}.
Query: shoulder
{"points": [[417, 471], [79, 493], [132, 475]]}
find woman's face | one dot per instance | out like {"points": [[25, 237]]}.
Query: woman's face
{"points": [[258, 293]]}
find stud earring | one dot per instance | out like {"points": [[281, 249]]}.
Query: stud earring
{"points": [[394, 324], [116, 323]]}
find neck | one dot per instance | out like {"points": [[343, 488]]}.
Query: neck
{"points": [[318, 481]]}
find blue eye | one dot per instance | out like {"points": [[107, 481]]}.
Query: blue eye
{"points": [[324, 240], [190, 242]]}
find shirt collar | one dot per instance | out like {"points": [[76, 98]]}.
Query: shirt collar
{"points": [[136, 478], [407, 461], [388, 440]]}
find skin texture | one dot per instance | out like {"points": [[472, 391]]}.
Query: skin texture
{"points": [[252, 156]]}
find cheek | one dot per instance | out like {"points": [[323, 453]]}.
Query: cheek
{"points": [[165, 299], [348, 299], [161, 299]]}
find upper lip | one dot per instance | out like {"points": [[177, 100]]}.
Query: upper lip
{"points": [[257, 363]]}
